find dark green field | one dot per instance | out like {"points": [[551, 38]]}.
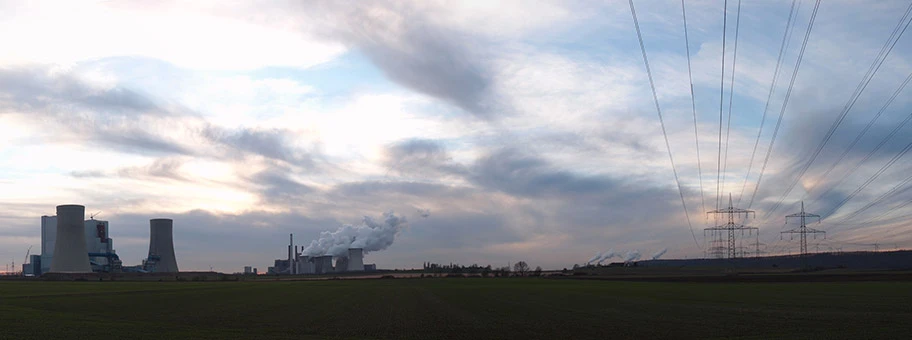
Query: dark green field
{"points": [[453, 309]]}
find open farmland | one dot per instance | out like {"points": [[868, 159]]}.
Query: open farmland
{"points": [[453, 309]]}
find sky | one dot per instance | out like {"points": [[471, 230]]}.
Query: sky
{"points": [[500, 130]]}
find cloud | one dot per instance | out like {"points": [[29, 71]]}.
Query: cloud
{"points": [[514, 172], [420, 157], [274, 144], [416, 53], [68, 106], [51, 90], [279, 187], [190, 36], [168, 168]]}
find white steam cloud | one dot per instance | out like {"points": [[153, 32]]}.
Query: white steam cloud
{"points": [[602, 256], [370, 236], [607, 255], [632, 256], [597, 257], [659, 253]]}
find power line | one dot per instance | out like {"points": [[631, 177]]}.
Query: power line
{"points": [[788, 94], [859, 89], [655, 98], [731, 95], [892, 192], [890, 211], [721, 100], [872, 178], [782, 47], [863, 132], [693, 106], [867, 156]]}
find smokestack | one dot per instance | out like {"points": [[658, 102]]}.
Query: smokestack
{"points": [[290, 260], [355, 259], [70, 254], [161, 245]]}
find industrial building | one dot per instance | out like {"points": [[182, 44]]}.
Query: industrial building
{"points": [[48, 238], [302, 264], [161, 247], [70, 251], [72, 244], [355, 259], [99, 246]]}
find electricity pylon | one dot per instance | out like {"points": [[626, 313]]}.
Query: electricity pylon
{"points": [[803, 230], [731, 227]]}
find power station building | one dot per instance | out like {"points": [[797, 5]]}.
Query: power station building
{"points": [[99, 246], [70, 251], [71, 244], [48, 239], [353, 262], [161, 247]]}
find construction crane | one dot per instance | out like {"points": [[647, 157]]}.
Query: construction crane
{"points": [[27, 254], [92, 216]]}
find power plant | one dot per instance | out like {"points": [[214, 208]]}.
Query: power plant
{"points": [[72, 244], [161, 247], [70, 253], [303, 264], [346, 245]]}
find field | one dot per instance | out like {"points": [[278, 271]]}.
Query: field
{"points": [[532, 308]]}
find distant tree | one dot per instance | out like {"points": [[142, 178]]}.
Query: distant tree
{"points": [[521, 268], [537, 271]]}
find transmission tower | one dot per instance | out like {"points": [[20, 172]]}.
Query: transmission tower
{"points": [[803, 230], [757, 244], [731, 227]]}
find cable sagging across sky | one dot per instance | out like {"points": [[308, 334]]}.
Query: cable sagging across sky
{"points": [[655, 98]]}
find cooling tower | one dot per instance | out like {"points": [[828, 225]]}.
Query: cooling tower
{"points": [[70, 254], [323, 264], [355, 259], [161, 245], [341, 264], [305, 265]]}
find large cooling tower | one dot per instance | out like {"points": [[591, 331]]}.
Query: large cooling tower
{"points": [[70, 255], [161, 245], [305, 265], [341, 264], [323, 264], [355, 259]]}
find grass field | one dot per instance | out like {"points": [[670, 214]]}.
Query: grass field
{"points": [[453, 309]]}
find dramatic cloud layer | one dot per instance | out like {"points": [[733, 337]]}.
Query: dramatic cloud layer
{"points": [[500, 131]]}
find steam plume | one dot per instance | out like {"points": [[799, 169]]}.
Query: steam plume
{"points": [[370, 236], [597, 257], [659, 253], [607, 255], [632, 256]]}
